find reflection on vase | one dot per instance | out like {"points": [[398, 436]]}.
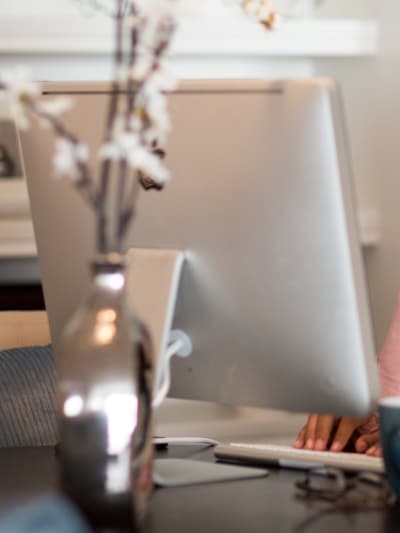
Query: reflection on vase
{"points": [[104, 401]]}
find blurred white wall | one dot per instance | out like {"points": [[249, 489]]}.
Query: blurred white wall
{"points": [[377, 109], [17, 7], [329, 8], [371, 88], [348, 8]]}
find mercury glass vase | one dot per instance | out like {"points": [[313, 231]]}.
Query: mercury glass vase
{"points": [[104, 402]]}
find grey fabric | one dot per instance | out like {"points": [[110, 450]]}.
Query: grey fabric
{"points": [[27, 397]]}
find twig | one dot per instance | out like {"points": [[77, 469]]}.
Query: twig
{"points": [[84, 182], [112, 111]]}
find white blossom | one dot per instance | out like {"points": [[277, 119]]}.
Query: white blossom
{"points": [[17, 89], [155, 103], [157, 111], [119, 147], [57, 106], [261, 10], [156, 8], [154, 23], [163, 78], [149, 163], [68, 156], [142, 67], [128, 145], [122, 141], [251, 8]]}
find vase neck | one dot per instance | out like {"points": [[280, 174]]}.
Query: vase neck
{"points": [[110, 239], [108, 275]]}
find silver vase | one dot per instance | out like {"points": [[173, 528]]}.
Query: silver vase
{"points": [[104, 402]]}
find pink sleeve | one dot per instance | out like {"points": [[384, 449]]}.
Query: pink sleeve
{"points": [[389, 357]]}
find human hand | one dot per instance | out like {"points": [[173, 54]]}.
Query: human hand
{"points": [[325, 432]]}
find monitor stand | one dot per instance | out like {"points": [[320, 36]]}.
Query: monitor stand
{"points": [[181, 472], [152, 287]]}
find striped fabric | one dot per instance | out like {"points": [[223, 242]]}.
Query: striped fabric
{"points": [[27, 397]]}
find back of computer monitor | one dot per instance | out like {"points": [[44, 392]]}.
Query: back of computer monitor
{"points": [[273, 293]]}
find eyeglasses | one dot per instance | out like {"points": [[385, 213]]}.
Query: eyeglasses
{"points": [[362, 491], [329, 490]]}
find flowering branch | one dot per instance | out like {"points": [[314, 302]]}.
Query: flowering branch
{"points": [[67, 143], [137, 119], [71, 156], [102, 7], [112, 110], [262, 11]]}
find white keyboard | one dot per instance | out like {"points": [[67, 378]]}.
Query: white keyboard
{"points": [[289, 457]]}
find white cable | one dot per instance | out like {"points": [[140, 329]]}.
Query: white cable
{"points": [[179, 344], [166, 373]]}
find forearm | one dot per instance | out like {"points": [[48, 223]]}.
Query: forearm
{"points": [[389, 357]]}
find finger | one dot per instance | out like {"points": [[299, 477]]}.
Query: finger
{"points": [[305, 432], [374, 451], [344, 433], [300, 439], [306, 436], [367, 441], [323, 431], [309, 436]]}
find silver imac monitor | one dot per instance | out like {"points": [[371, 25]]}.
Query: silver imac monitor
{"points": [[273, 293]]}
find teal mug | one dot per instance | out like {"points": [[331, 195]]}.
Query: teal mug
{"points": [[389, 416]]}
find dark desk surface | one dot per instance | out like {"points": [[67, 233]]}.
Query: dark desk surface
{"points": [[264, 505]]}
